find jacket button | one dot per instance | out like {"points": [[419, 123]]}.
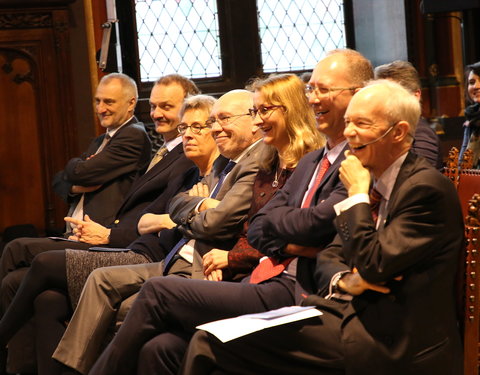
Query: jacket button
{"points": [[116, 221]]}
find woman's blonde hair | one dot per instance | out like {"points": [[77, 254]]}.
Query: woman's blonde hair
{"points": [[288, 91]]}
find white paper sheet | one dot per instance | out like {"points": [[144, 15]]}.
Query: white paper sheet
{"points": [[229, 329]]}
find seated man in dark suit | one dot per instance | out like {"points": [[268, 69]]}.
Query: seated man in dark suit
{"points": [[96, 183], [168, 309], [426, 143], [387, 280]]}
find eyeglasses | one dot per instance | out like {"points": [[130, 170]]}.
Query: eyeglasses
{"points": [[264, 112], [317, 91], [223, 120], [195, 128]]}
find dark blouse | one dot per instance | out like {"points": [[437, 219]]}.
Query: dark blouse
{"points": [[243, 258]]}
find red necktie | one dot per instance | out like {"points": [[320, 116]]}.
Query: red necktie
{"points": [[270, 267], [323, 169], [375, 199]]}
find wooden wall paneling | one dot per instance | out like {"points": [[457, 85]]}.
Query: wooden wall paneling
{"points": [[37, 113]]}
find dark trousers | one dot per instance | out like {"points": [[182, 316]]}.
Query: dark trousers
{"points": [[307, 347], [173, 306]]}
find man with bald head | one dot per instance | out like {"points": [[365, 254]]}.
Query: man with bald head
{"points": [[386, 281]]}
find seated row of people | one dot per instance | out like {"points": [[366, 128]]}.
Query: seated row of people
{"points": [[258, 233]]}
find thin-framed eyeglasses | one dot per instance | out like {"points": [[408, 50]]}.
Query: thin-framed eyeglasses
{"points": [[223, 120], [317, 91], [264, 111], [195, 128]]}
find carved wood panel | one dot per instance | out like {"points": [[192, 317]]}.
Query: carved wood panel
{"points": [[36, 114]]}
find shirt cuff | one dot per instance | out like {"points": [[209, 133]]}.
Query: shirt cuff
{"points": [[195, 210], [334, 292], [350, 202]]}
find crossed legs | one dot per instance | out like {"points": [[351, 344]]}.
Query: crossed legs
{"points": [[168, 305]]}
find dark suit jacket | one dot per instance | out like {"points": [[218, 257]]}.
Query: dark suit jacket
{"points": [[411, 330], [115, 168], [282, 221], [218, 227], [427, 144], [145, 189]]}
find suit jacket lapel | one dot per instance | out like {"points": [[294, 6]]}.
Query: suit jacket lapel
{"points": [[163, 164], [307, 177], [406, 170]]}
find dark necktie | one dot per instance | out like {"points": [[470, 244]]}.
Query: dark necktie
{"points": [[269, 268], [375, 199], [221, 178], [184, 240]]}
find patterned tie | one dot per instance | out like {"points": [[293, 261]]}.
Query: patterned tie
{"points": [[270, 267], [325, 164], [106, 139], [375, 199], [162, 151], [184, 240], [77, 210]]}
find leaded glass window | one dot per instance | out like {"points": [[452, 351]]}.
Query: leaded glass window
{"points": [[183, 36], [295, 34], [178, 36]]}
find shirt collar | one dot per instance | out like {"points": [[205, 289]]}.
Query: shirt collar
{"points": [[334, 153], [111, 132], [170, 145], [384, 184], [244, 152]]}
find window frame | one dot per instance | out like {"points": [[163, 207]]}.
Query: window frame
{"points": [[240, 48]]}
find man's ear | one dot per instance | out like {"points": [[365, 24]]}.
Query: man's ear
{"points": [[255, 129], [401, 131], [418, 94], [132, 104]]}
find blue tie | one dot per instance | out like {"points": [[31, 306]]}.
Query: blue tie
{"points": [[184, 240], [221, 177]]}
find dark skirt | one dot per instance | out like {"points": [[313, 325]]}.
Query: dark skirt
{"points": [[81, 262]]}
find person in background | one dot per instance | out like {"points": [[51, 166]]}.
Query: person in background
{"points": [[471, 134], [426, 142]]}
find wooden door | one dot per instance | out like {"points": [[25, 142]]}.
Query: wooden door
{"points": [[36, 114]]}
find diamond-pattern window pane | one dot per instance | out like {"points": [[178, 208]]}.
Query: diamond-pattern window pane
{"points": [[295, 34], [178, 36]]}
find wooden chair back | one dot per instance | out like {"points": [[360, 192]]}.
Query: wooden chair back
{"points": [[467, 182]]}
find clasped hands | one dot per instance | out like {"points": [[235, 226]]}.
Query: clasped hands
{"points": [[213, 263], [88, 231], [354, 284]]}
